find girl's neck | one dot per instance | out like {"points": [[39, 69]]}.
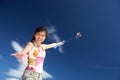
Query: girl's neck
{"points": [[37, 44]]}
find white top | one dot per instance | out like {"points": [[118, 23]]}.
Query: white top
{"points": [[36, 59]]}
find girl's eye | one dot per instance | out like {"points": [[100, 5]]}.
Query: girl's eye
{"points": [[43, 35]]}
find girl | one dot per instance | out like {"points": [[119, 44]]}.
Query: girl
{"points": [[35, 51]]}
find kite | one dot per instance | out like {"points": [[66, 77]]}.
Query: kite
{"points": [[78, 35]]}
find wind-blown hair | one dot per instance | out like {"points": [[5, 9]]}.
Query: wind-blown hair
{"points": [[39, 29]]}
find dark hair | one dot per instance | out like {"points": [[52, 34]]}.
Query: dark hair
{"points": [[38, 29]]}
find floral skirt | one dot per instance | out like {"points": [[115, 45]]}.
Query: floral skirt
{"points": [[31, 75]]}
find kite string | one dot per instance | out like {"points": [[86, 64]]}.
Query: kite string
{"points": [[70, 39], [78, 35]]}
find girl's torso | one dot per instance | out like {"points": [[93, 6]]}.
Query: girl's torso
{"points": [[36, 59]]}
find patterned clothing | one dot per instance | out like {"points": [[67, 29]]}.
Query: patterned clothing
{"points": [[34, 68], [36, 59]]}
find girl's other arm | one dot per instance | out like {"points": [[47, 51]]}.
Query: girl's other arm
{"points": [[47, 46], [21, 54]]}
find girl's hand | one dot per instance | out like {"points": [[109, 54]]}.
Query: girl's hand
{"points": [[19, 55], [63, 41]]}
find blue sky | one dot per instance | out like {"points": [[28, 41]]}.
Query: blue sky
{"points": [[95, 56]]}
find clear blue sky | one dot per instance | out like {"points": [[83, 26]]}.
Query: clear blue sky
{"points": [[95, 56]]}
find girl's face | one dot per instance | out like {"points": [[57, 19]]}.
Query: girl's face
{"points": [[40, 36]]}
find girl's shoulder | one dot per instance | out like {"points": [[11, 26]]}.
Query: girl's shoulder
{"points": [[43, 46], [30, 44]]}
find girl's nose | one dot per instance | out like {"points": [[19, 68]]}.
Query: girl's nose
{"points": [[40, 36]]}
